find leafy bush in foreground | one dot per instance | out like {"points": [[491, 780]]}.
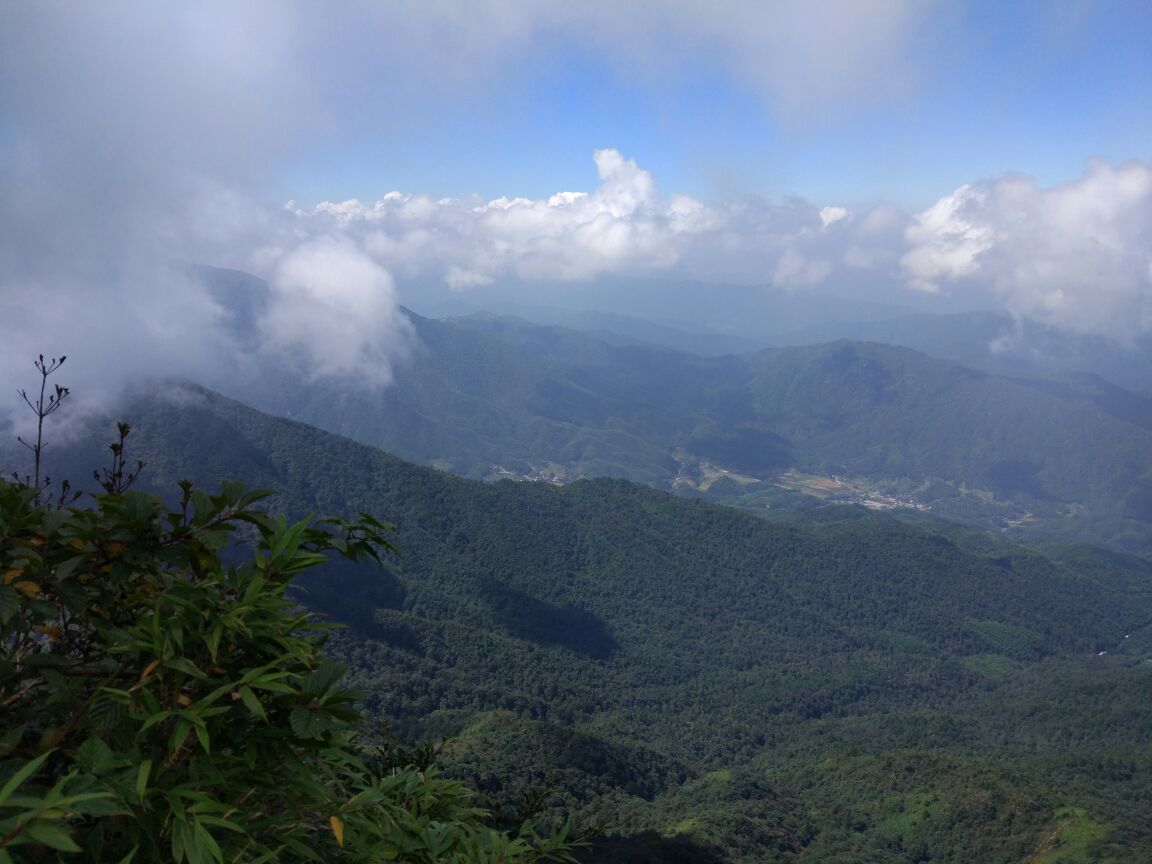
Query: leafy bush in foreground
{"points": [[162, 699]]}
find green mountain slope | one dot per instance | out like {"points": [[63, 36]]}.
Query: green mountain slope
{"points": [[487, 396], [845, 687], [486, 391], [998, 342], [491, 397], [883, 411]]}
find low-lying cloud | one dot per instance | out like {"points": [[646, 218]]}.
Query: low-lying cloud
{"points": [[1077, 255], [334, 313]]}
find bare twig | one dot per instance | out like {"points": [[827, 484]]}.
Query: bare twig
{"points": [[42, 409]]}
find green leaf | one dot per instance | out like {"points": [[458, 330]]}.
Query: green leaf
{"points": [[180, 733], [9, 604], [65, 569], [51, 835], [142, 779], [203, 738], [273, 686], [95, 757], [96, 804], [106, 713], [327, 674], [140, 507], [213, 642], [185, 666], [215, 539], [179, 838], [73, 596], [158, 717], [289, 540], [156, 630], [255, 587], [23, 774], [253, 704], [307, 723], [260, 520], [221, 823], [204, 841]]}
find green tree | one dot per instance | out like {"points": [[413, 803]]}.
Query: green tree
{"points": [[162, 698]]}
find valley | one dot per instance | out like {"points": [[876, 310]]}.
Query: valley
{"points": [[488, 396], [843, 491]]}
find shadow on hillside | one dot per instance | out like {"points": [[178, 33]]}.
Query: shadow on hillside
{"points": [[535, 620], [648, 848], [746, 449], [1017, 477], [352, 593]]}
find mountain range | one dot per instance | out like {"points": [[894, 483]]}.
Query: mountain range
{"points": [[711, 319], [487, 396]]}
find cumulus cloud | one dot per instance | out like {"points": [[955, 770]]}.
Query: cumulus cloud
{"points": [[624, 225], [1077, 255], [832, 215], [946, 241], [334, 313]]}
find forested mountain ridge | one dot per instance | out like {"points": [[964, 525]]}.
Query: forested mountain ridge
{"points": [[995, 341], [492, 396], [838, 688], [999, 342]]}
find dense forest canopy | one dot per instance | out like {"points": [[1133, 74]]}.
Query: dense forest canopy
{"points": [[816, 686]]}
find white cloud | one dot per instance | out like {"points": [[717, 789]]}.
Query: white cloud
{"points": [[1077, 255], [135, 135], [135, 139], [333, 312], [947, 239], [832, 215], [806, 61], [624, 225], [116, 159], [459, 279]]}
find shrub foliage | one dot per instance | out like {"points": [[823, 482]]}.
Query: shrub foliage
{"points": [[163, 698]]}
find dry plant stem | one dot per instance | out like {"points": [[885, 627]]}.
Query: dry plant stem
{"points": [[42, 410]]}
